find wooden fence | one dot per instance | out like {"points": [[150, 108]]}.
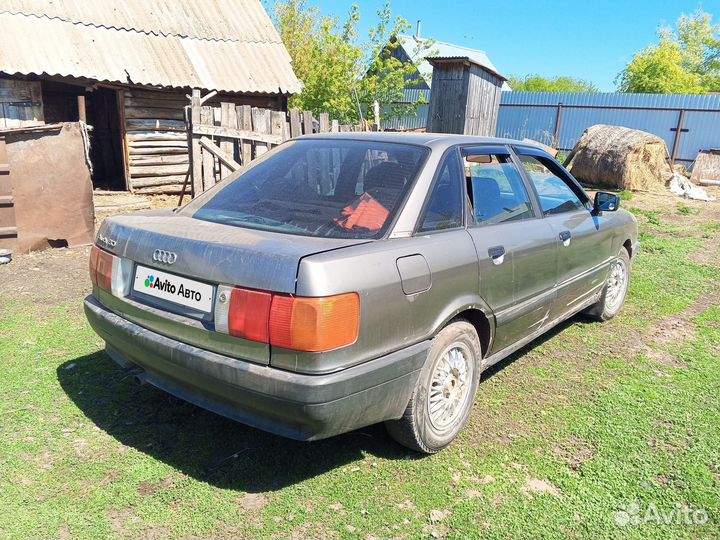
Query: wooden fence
{"points": [[222, 139]]}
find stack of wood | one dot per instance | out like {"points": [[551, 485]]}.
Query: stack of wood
{"points": [[620, 157], [156, 140], [706, 169]]}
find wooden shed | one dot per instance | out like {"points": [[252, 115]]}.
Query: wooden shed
{"points": [[127, 71], [465, 97]]}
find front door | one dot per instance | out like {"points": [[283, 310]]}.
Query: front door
{"points": [[583, 244], [516, 248]]}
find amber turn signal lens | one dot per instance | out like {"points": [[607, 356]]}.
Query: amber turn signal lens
{"points": [[314, 324]]}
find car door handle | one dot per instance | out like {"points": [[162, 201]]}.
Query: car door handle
{"points": [[565, 236], [497, 254]]}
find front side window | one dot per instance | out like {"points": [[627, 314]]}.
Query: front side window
{"points": [[555, 195], [444, 209], [496, 190], [335, 188]]}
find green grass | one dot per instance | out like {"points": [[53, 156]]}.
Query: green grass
{"points": [[685, 210], [625, 195], [588, 416]]}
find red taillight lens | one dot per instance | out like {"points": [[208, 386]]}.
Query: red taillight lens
{"points": [[248, 314], [101, 265], [314, 324]]}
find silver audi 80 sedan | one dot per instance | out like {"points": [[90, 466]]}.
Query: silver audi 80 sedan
{"points": [[343, 280]]}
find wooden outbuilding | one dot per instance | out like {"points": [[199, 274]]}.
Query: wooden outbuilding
{"points": [[465, 97], [127, 69]]}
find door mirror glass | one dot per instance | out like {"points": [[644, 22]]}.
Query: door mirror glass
{"points": [[606, 202]]}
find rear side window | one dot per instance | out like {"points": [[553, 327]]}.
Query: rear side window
{"points": [[444, 209], [496, 190], [333, 188], [555, 194]]}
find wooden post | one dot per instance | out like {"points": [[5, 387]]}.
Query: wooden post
{"points": [[676, 141], [194, 143], [245, 123], [124, 139], [277, 123], [295, 126], [208, 160], [82, 114], [307, 122], [324, 122], [558, 123], [228, 119], [335, 126], [261, 124]]}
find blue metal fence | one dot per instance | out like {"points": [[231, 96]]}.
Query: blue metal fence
{"points": [[558, 119]]}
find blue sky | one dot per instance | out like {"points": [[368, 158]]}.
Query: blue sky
{"points": [[589, 39]]}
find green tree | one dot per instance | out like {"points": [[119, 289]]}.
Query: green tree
{"points": [[536, 83], [659, 69], [686, 60], [337, 71]]}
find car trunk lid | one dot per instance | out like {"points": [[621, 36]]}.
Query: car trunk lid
{"points": [[209, 253]]}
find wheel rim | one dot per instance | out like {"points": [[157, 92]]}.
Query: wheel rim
{"points": [[450, 385], [617, 281]]}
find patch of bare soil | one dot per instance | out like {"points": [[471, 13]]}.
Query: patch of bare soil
{"points": [[667, 202], [121, 520], [148, 489], [535, 486], [675, 330], [574, 452], [51, 277]]}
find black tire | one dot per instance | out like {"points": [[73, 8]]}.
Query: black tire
{"points": [[417, 429], [605, 309]]}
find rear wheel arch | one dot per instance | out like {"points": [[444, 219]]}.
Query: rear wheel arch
{"points": [[480, 321], [627, 244]]}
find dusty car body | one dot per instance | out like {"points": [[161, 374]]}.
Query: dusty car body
{"points": [[345, 280]]}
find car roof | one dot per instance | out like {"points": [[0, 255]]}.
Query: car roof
{"points": [[434, 140]]}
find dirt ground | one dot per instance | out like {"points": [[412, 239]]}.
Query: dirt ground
{"points": [[64, 278]]}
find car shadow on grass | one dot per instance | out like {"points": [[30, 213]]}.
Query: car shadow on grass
{"points": [[204, 445], [212, 448]]}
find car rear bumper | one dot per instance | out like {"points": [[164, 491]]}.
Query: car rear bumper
{"points": [[298, 406]]}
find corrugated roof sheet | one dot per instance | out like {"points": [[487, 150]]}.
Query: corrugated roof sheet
{"points": [[229, 20], [225, 45], [443, 49]]}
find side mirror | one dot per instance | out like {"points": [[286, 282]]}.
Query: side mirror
{"points": [[605, 202]]}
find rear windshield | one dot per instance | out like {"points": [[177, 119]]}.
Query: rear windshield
{"points": [[320, 187]]}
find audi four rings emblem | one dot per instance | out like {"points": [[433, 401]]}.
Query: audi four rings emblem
{"points": [[167, 257]]}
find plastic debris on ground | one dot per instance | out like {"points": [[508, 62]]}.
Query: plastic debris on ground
{"points": [[681, 186]]}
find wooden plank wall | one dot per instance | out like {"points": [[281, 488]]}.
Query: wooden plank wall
{"points": [[227, 136], [20, 103], [157, 154], [157, 141], [483, 104]]}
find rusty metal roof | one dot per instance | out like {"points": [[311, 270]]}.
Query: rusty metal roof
{"points": [[225, 45]]}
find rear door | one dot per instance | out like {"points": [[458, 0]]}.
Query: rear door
{"points": [[584, 239], [516, 249]]}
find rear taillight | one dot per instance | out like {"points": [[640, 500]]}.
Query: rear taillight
{"points": [[248, 314], [291, 322], [109, 272], [101, 268], [314, 324]]}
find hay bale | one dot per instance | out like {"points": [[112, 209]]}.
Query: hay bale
{"points": [[621, 157]]}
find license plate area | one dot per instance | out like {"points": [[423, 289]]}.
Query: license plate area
{"points": [[172, 292]]}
